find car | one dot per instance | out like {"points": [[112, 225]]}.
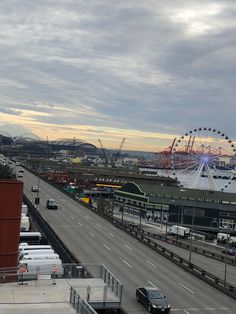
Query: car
{"points": [[229, 251], [153, 299], [20, 175], [51, 204], [35, 188]]}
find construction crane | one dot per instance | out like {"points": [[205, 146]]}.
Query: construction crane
{"points": [[116, 155], [165, 156], [120, 149], [104, 153]]}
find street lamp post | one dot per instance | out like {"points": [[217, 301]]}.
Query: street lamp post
{"points": [[226, 249], [191, 239], [167, 220], [140, 216], [122, 213], [161, 215], [37, 196], [112, 208]]}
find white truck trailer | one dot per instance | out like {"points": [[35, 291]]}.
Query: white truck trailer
{"points": [[179, 231]]}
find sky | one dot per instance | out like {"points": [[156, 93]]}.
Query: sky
{"points": [[144, 70]]}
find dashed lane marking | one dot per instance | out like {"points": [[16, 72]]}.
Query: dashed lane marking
{"points": [[151, 264], [152, 284], [200, 310], [182, 285], [124, 261], [92, 234], [107, 247], [128, 247]]}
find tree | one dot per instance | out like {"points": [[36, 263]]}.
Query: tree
{"points": [[6, 172]]}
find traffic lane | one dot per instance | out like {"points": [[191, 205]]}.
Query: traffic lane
{"points": [[201, 245], [213, 266], [128, 263], [109, 265]]}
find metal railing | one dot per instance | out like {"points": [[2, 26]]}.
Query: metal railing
{"points": [[80, 305], [195, 249], [111, 281]]}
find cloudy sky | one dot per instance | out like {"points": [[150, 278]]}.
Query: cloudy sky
{"points": [[146, 70]]}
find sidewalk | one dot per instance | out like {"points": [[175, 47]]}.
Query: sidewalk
{"points": [[39, 296]]}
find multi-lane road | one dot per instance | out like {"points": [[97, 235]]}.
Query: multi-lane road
{"points": [[212, 266], [94, 240]]}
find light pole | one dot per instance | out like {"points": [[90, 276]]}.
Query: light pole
{"points": [[169, 215], [122, 213], [161, 215], [37, 196], [191, 239], [226, 249], [140, 216], [112, 208]]}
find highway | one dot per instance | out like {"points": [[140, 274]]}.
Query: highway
{"points": [[94, 240], [213, 266]]}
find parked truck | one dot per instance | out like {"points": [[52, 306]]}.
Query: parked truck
{"points": [[179, 231]]}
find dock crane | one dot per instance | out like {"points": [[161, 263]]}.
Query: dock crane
{"points": [[120, 149], [104, 153], [116, 155]]}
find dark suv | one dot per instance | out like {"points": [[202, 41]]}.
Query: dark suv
{"points": [[229, 251], [51, 204], [153, 299]]}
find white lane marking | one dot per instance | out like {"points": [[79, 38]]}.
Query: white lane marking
{"points": [[107, 247], [86, 217], [79, 223], [126, 263], [98, 225], [111, 234], [185, 287], [212, 308], [92, 234], [63, 209], [128, 247], [72, 217], [200, 309], [152, 284], [151, 264]]}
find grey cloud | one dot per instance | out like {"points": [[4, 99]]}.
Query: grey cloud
{"points": [[129, 65]]}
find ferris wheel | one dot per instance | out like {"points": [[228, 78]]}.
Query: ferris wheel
{"points": [[204, 158]]}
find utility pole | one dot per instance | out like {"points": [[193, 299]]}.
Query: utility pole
{"points": [[191, 240], [226, 248]]}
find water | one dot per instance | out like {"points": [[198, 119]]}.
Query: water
{"points": [[187, 180]]}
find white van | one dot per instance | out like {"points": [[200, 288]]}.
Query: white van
{"points": [[24, 209], [46, 256], [29, 248], [35, 252], [41, 267], [24, 223]]}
